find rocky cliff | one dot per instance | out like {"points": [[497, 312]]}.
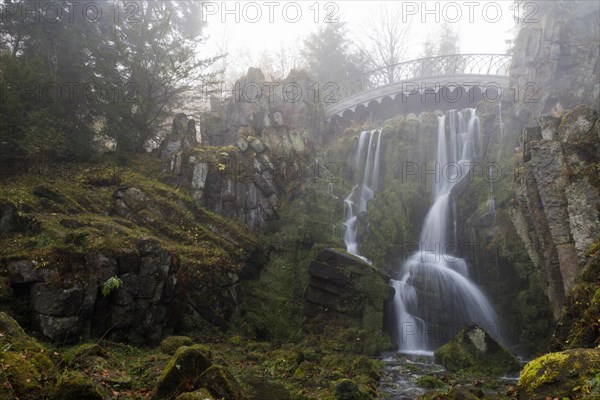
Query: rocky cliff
{"points": [[557, 199], [253, 148], [556, 58]]}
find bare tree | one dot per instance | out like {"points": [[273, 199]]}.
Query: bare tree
{"points": [[385, 39], [278, 64]]}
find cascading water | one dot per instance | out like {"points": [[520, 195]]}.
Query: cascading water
{"points": [[434, 295], [369, 162]]}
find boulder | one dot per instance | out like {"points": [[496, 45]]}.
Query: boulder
{"points": [[569, 374], [347, 389], [473, 349], [171, 344], [74, 385], [25, 363], [182, 372], [221, 383]]}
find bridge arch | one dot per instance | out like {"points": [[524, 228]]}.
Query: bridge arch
{"points": [[423, 84]]}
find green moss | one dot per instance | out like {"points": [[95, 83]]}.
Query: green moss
{"points": [[201, 394], [20, 378], [430, 382], [74, 385], [170, 344], [478, 353], [221, 383], [562, 374], [169, 215], [306, 371], [366, 366], [182, 372], [79, 353], [347, 389]]}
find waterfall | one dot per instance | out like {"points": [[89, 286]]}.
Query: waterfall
{"points": [[434, 294], [364, 188]]}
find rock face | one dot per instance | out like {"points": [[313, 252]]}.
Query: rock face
{"points": [[555, 58], [579, 326], [474, 349], [70, 304], [569, 374], [557, 197], [345, 290], [255, 148]]}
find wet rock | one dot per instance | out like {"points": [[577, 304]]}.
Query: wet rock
{"points": [[473, 349]]}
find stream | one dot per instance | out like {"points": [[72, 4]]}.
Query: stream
{"points": [[402, 371]]}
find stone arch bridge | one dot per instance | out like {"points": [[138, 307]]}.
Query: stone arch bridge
{"points": [[449, 81]]}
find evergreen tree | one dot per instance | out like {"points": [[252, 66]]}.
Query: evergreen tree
{"points": [[328, 54], [65, 77]]}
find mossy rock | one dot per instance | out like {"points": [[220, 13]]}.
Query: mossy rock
{"points": [[182, 372], [201, 394], [21, 378], [474, 350], [79, 354], [15, 337], [221, 383], [170, 344], [75, 385], [26, 364], [347, 389], [365, 366], [563, 374], [306, 371], [430, 382], [453, 393]]}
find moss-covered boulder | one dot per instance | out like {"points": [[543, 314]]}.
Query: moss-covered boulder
{"points": [[170, 344], [221, 383], [569, 374], [347, 389], [80, 353], [75, 385], [474, 350], [201, 394], [26, 365], [182, 372]]}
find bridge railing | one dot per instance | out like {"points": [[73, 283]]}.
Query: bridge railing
{"points": [[430, 67]]}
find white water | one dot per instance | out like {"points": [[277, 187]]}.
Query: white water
{"points": [[367, 160], [440, 278]]}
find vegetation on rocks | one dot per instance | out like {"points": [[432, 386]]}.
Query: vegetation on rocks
{"points": [[475, 350], [571, 373]]}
